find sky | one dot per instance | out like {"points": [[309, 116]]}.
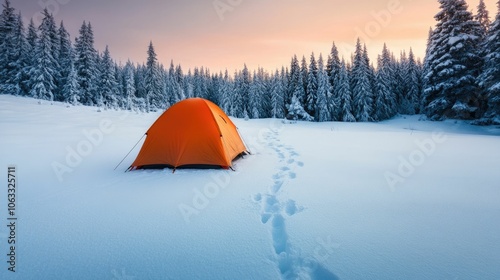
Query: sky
{"points": [[226, 34]]}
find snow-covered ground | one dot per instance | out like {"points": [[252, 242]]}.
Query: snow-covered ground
{"points": [[400, 199]]}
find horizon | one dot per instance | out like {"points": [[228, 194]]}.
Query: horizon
{"points": [[223, 34]]}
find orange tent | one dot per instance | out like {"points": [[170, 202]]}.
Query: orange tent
{"points": [[193, 132]]}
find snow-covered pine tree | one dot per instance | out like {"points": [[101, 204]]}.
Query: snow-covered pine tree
{"points": [[197, 83], [304, 72], [401, 84], [454, 64], [244, 90], [333, 65], [296, 110], [323, 92], [179, 79], [333, 69], [165, 83], [18, 76], [140, 84], [312, 87], [8, 22], [171, 86], [225, 92], [86, 58], [49, 27], [293, 78], [213, 88], [385, 100], [29, 55], [119, 77], [108, 86], [277, 95], [71, 90], [343, 86], [490, 77], [427, 71], [238, 107], [255, 97], [155, 98], [44, 71], [66, 58], [362, 88], [413, 84], [129, 88], [482, 16], [266, 98]]}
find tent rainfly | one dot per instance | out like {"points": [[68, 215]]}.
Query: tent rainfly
{"points": [[192, 133]]}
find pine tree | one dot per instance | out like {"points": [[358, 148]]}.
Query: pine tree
{"points": [[243, 92], [237, 107], [490, 77], [179, 79], [129, 89], [333, 69], [304, 73], [296, 110], [343, 87], [427, 71], [333, 65], [65, 59], [8, 22], [277, 95], [483, 17], [18, 76], [413, 84], [362, 88], [403, 97], [171, 85], [71, 90], [29, 57], [140, 84], [86, 65], [453, 63], [120, 88], [108, 86], [312, 87], [44, 71], [255, 97], [294, 77], [225, 93], [323, 92], [385, 100], [155, 98]]}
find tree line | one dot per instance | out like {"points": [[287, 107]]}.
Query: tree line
{"points": [[459, 78]]}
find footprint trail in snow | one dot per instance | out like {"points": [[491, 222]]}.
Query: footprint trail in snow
{"points": [[275, 210]]}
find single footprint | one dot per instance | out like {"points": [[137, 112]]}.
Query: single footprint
{"points": [[285, 168], [291, 208], [300, 163], [292, 175]]}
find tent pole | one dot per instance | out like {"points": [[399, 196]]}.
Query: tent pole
{"points": [[129, 153]]}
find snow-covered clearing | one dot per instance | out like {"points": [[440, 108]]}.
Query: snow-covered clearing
{"points": [[400, 199]]}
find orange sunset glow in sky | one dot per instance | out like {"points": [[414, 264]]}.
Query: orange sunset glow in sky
{"points": [[225, 34]]}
